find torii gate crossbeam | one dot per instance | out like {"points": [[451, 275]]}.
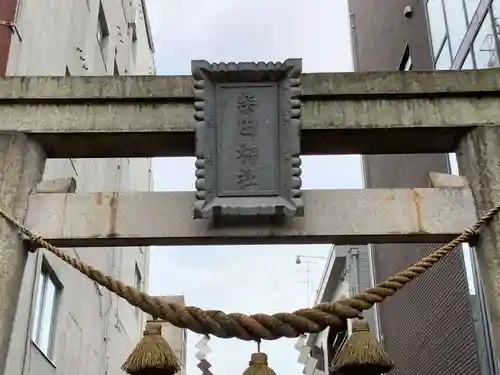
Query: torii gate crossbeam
{"points": [[343, 113]]}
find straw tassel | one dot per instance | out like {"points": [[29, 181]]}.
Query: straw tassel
{"points": [[152, 355], [258, 365], [362, 354]]}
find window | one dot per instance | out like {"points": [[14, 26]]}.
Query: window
{"points": [[437, 24], [443, 60], [448, 23], [47, 300], [471, 7], [457, 23], [138, 285], [409, 64], [485, 45], [102, 33], [335, 344], [468, 62], [406, 63], [496, 17]]}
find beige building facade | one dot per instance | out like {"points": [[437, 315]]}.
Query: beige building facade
{"points": [[66, 324]]}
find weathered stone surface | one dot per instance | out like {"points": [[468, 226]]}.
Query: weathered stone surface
{"points": [[426, 112], [62, 185], [440, 180], [247, 139], [479, 160], [429, 83], [21, 163], [336, 216]]}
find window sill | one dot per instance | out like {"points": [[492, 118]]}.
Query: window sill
{"points": [[43, 354]]}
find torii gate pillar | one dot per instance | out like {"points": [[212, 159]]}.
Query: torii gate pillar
{"points": [[478, 159], [21, 164]]}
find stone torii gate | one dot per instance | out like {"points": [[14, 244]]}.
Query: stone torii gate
{"points": [[347, 113]]}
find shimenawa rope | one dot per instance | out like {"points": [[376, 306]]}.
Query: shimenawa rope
{"points": [[258, 327]]}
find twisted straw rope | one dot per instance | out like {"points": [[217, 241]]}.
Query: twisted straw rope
{"points": [[259, 326]]}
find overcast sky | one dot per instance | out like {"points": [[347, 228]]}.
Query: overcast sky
{"points": [[258, 278]]}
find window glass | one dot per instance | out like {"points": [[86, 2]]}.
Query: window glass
{"points": [[45, 312], [47, 317], [443, 61], [485, 50], [468, 62], [457, 23], [38, 307], [496, 16], [102, 33], [437, 24], [471, 7], [406, 63], [409, 64]]}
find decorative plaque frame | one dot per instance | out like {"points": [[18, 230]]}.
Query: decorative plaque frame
{"points": [[247, 139]]}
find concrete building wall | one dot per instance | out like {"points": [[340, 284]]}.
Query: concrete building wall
{"points": [[321, 342], [359, 277], [92, 330], [55, 35], [376, 45], [347, 271], [176, 337], [415, 325]]}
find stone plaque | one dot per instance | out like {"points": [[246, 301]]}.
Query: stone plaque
{"points": [[247, 139]]}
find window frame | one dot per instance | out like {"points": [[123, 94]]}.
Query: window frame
{"points": [[102, 34], [138, 284], [496, 32], [442, 50], [488, 17], [470, 53], [444, 40], [406, 63], [459, 58], [45, 276], [466, 21]]}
